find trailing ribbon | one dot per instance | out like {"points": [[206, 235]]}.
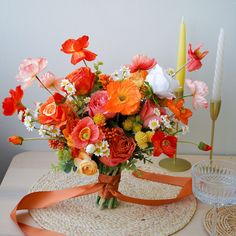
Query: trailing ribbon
{"points": [[107, 187]]}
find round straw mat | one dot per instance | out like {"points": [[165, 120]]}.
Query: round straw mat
{"points": [[80, 216], [226, 221]]}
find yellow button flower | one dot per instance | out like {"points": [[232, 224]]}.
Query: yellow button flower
{"points": [[141, 139]]}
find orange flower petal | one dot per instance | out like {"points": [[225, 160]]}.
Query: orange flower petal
{"points": [[77, 57], [68, 46], [81, 43], [89, 56]]}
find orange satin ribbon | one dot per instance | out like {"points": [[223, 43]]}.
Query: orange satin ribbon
{"points": [[107, 186]]}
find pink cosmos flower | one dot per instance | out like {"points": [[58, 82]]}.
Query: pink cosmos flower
{"points": [[86, 132], [199, 90], [50, 81], [195, 57], [96, 104], [29, 68], [141, 62], [149, 113]]}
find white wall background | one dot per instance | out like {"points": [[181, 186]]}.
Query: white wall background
{"points": [[118, 29]]}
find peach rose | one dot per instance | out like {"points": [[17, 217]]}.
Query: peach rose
{"points": [[86, 166], [52, 114], [121, 149]]}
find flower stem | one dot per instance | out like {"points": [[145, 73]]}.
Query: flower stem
{"points": [[43, 85], [149, 148], [178, 131], [189, 95], [187, 142], [154, 99], [101, 203], [85, 63], [32, 139], [181, 68], [76, 101], [56, 88], [117, 118], [111, 201]]}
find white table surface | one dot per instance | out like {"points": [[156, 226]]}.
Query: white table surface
{"points": [[26, 168]]}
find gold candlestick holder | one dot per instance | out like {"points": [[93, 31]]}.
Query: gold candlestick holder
{"points": [[176, 164], [214, 112]]}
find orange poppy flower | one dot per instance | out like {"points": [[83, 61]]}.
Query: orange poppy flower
{"points": [[180, 112], [124, 97], [77, 47], [195, 57], [13, 103]]}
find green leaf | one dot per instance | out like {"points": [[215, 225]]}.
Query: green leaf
{"points": [[67, 168], [64, 155]]}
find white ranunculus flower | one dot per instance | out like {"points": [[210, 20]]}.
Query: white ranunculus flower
{"points": [[162, 84]]}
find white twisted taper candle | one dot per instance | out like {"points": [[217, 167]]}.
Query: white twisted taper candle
{"points": [[216, 91]]}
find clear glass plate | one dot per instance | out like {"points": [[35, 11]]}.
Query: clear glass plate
{"points": [[215, 183]]}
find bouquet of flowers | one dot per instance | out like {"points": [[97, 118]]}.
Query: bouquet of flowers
{"points": [[106, 123]]}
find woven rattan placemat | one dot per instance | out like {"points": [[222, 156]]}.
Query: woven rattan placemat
{"points": [[226, 221], [80, 216]]}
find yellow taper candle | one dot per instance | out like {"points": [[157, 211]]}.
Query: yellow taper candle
{"points": [[181, 56]]}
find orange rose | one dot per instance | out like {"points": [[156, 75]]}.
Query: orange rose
{"points": [[121, 149], [83, 79], [52, 114]]}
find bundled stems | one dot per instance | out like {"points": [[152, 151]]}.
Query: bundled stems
{"points": [[110, 203]]}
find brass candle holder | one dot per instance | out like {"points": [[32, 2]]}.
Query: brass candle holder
{"points": [[214, 112], [176, 164]]}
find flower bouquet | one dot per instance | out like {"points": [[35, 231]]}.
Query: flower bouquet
{"points": [[106, 123]]}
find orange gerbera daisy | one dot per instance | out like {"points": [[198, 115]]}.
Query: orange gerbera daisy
{"points": [[124, 97], [180, 112]]}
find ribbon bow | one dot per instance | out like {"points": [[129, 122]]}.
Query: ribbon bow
{"points": [[107, 186]]}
